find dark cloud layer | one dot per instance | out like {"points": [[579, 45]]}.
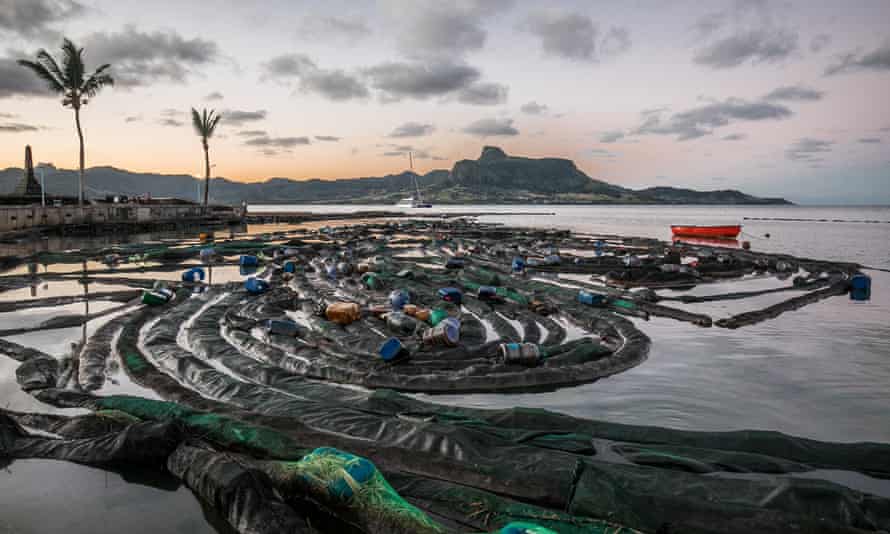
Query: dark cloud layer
{"points": [[819, 42], [700, 121], [567, 35], [329, 138], [794, 93], [869, 140], [216, 95], [333, 84], [612, 136], [483, 94], [808, 150], [412, 129], [875, 60], [35, 18], [277, 142], [445, 28], [533, 108], [491, 127], [17, 127], [16, 81], [734, 137], [340, 29], [141, 58], [234, 117], [755, 46], [397, 80]]}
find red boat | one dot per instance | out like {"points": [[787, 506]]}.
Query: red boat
{"points": [[714, 232]]}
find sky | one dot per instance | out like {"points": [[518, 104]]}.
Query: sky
{"points": [[775, 98]]}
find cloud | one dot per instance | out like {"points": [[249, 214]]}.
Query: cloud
{"points": [[333, 84], [568, 35], [397, 80], [601, 153], [700, 121], [794, 93], [734, 137], [216, 95], [483, 94], [875, 60], [234, 117], [170, 122], [16, 81], [35, 18], [141, 58], [819, 42], [412, 129], [339, 29], [330, 138], [252, 133], [533, 108], [616, 42], [395, 150], [708, 24], [17, 127], [133, 118], [444, 28], [611, 136], [491, 127], [277, 142], [756, 46], [807, 149], [869, 140]]}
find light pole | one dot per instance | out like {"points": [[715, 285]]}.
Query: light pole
{"points": [[42, 187]]}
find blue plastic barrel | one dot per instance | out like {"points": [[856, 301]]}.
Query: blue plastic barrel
{"points": [[392, 349], [255, 286], [860, 287], [248, 261], [455, 263], [207, 254], [486, 292], [194, 274], [552, 259], [398, 298], [518, 265], [331, 271], [591, 299], [451, 294], [290, 267]]}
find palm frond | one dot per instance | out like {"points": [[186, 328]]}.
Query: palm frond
{"points": [[213, 124], [51, 81], [73, 63], [196, 122], [96, 81], [50, 64]]}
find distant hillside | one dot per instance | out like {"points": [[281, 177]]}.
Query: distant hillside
{"points": [[493, 178]]}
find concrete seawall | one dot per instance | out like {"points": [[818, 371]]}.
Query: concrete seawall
{"points": [[22, 218]]}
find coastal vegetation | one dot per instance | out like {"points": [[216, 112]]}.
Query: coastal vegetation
{"points": [[71, 81]]}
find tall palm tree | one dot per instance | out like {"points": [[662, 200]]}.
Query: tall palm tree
{"points": [[205, 123], [71, 82]]}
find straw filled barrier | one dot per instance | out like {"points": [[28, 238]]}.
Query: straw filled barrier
{"points": [[282, 400]]}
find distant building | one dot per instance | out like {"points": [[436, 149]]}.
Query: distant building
{"points": [[28, 187]]}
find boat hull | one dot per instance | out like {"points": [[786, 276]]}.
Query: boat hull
{"points": [[712, 232]]}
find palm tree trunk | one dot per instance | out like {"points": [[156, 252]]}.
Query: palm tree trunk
{"points": [[80, 136], [206, 173]]}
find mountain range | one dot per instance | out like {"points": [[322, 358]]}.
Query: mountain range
{"points": [[494, 177]]}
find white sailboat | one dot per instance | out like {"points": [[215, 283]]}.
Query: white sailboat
{"points": [[415, 201]]}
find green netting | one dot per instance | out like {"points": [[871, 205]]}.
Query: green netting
{"points": [[341, 479], [219, 429]]}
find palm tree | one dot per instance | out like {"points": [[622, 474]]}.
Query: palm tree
{"points": [[71, 82], [205, 123]]}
